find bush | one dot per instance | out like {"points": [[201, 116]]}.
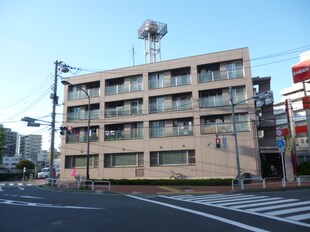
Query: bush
{"points": [[190, 182], [303, 169]]}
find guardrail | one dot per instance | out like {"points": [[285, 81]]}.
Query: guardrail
{"points": [[306, 178], [80, 183], [281, 182]]}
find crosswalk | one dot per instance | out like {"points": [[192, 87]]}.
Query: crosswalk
{"points": [[290, 210], [15, 184]]}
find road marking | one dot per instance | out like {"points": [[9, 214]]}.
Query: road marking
{"points": [[1, 190], [254, 200], [20, 188], [300, 217], [221, 219], [287, 211], [280, 206], [24, 203], [31, 197], [264, 203], [239, 209]]}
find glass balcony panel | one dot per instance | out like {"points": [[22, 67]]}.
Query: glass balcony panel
{"points": [[180, 80], [211, 101], [181, 105], [182, 131], [157, 132]]}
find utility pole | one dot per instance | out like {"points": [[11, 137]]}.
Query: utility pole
{"points": [[55, 102]]}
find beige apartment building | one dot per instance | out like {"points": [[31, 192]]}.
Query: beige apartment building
{"points": [[148, 120]]}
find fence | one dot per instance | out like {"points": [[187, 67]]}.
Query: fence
{"points": [[78, 184], [270, 182]]}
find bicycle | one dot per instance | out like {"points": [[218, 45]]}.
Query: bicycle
{"points": [[177, 176]]}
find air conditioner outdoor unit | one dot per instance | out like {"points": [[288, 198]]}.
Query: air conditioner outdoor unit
{"points": [[260, 134]]}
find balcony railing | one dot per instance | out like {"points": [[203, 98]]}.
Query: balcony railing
{"points": [[176, 106], [217, 75], [171, 132], [178, 80], [94, 114], [123, 135], [120, 112], [81, 138], [118, 89], [223, 128], [212, 102], [93, 92]]}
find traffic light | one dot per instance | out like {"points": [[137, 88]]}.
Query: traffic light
{"points": [[64, 129], [218, 142], [69, 130]]}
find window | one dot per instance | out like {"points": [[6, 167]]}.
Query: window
{"points": [[157, 104], [80, 161], [239, 94], [181, 102], [123, 160], [166, 158], [242, 122], [156, 80], [211, 98], [234, 70], [135, 84], [157, 129]]}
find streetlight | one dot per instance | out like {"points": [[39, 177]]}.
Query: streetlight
{"points": [[64, 82], [265, 98]]}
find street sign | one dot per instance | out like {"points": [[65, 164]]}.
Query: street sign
{"points": [[279, 132], [281, 144]]}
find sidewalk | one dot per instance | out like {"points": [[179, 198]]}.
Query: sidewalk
{"points": [[175, 189]]}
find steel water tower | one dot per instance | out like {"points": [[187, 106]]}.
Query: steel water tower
{"points": [[152, 32]]}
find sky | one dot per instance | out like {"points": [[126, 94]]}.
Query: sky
{"points": [[98, 35]]}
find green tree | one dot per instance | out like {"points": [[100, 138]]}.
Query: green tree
{"points": [[303, 169], [25, 163], [2, 143]]}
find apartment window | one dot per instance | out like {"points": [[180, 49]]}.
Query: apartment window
{"points": [[168, 158], [124, 160], [234, 70], [211, 98], [242, 122], [181, 102], [156, 80], [79, 135], [157, 129], [136, 107], [182, 79], [182, 127], [80, 161], [135, 84], [157, 104], [239, 94]]}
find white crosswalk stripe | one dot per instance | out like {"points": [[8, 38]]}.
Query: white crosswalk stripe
{"points": [[289, 210], [15, 184]]}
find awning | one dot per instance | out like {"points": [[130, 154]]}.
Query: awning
{"points": [[301, 71]]}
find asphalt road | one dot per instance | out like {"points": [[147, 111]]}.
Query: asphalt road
{"points": [[32, 208]]}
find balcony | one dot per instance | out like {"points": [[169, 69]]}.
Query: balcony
{"points": [[81, 138], [94, 114], [171, 132], [219, 128], [216, 75], [75, 95], [121, 112], [114, 135]]}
